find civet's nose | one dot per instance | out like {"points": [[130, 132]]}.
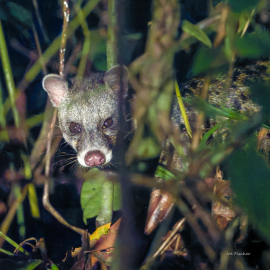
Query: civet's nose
{"points": [[94, 158]]}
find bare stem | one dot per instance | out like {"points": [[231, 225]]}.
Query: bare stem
{"points": [[39, 50], [35, 4], [11, 213], [45, 198], [64, 37], [111, 37], [172, 235]]}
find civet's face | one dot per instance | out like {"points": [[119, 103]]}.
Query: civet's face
{"points": [[88, 114]]}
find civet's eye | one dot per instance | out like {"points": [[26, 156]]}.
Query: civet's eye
{"points": [[107, 123], [74, 128]]}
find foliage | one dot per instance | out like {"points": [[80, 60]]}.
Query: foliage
{"points": [[249, 176], [91, 194], [180, 148]]}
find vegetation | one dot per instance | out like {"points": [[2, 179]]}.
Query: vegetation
{"points": [[188, 196]]}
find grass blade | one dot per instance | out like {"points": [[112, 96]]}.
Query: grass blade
{"points": [[182, 109], [8, 75], [13, 243]]}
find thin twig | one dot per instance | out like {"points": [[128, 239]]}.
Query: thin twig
{"points": [[11, 213], [248, 22], [177, 242], [39, 50], [169, 244], [172, 235], [10, 241], [69, 64], [97, 250], [25, 243], [40, 145], [64, 38], [49, 140], [32, 55], [35, 4], [191, 218], [45, 198]]}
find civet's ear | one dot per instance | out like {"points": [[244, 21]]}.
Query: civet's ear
{"points": [[56, 87], [112, 77]]}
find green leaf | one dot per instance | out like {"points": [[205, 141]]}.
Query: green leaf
{"points": [[164, 173], [100, 62], [133, 37], [20, 13], [249, 175], [195, 31], [27, 167], [265, 126], [90, 198], [253, 45], [212, 111], [237, 134], [213, 60], [260, 94], [241, 5], [8, 75], [10, 241], [182, 109], [6, 252], [210, 132], [31, 122], [31, 265], [33, 201], [91, 195], [54, 267], [20, 211], [4, 135]]}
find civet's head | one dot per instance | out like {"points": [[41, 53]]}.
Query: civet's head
{"points": [[88, 113]]}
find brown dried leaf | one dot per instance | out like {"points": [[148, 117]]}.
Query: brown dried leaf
{"points": [[222, 213], [104, 245]]}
